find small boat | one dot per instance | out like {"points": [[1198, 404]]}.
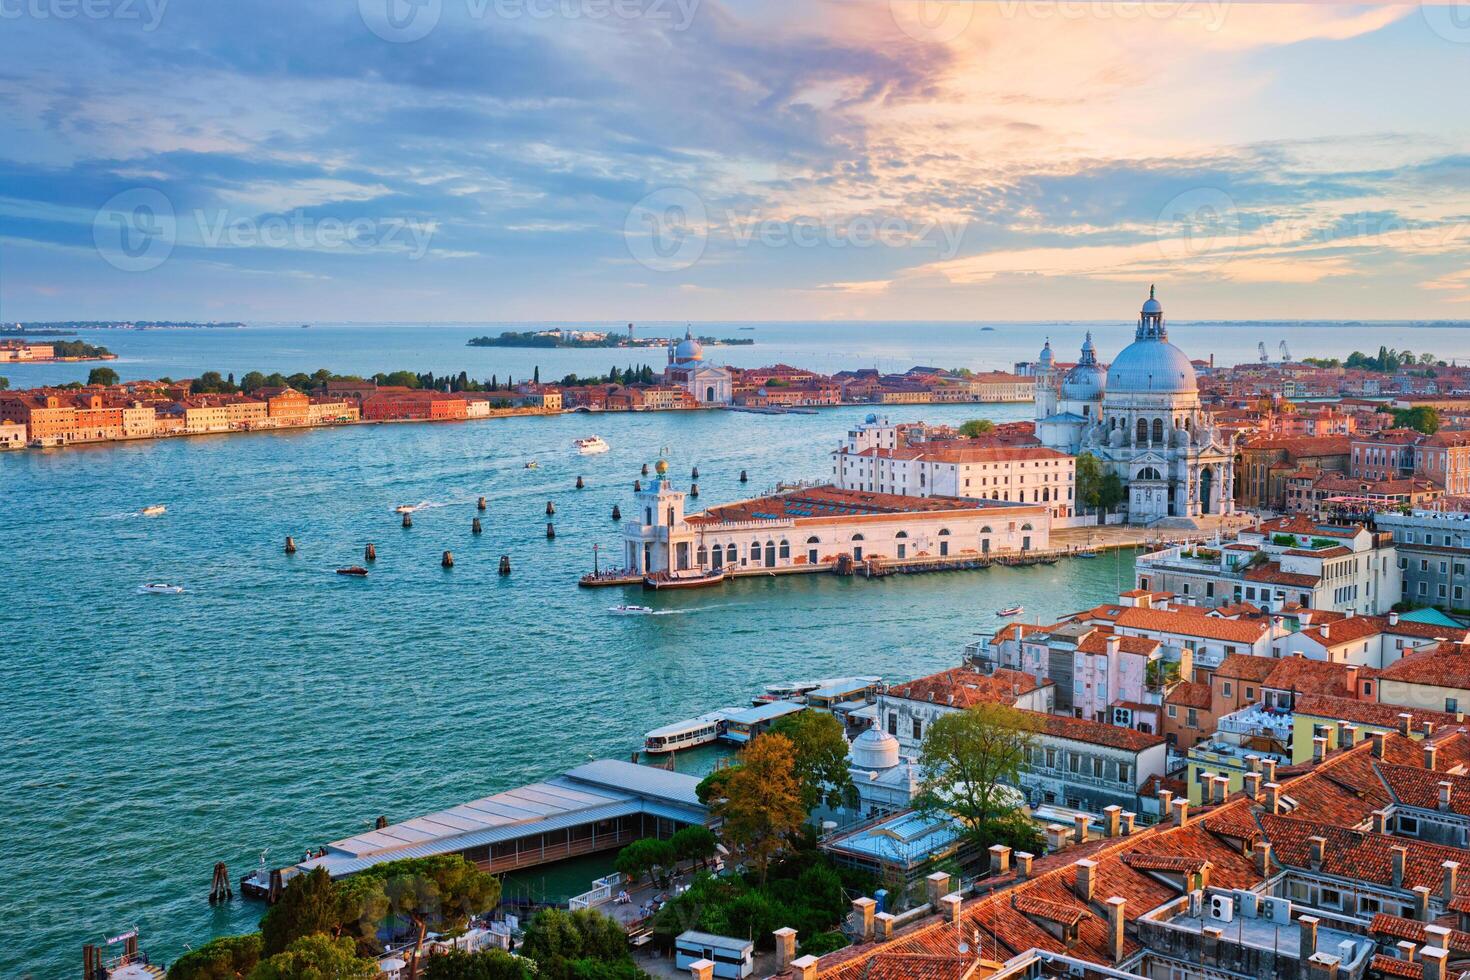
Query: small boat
{"points": [[624, 610], [161, 588], [404, 509], [531, 464], [688, 580], [591, 445], [1086, 554], [352, 570], [153, 510], [1010, 611]]}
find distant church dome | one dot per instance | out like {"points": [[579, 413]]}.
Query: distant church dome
{"points": [[1086, 381], [874, 749], [689, 349], [1151, 365], [1046, 356]]}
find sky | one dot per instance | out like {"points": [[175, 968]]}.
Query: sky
{"points": [[617, 160]]}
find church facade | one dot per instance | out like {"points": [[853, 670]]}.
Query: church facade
{"points": [[710, 384], [1141, 418]]}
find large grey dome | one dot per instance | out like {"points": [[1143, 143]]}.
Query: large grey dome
{"points": [[1151, 364]]}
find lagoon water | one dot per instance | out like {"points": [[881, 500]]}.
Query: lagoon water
{"points": [[276, 705]]}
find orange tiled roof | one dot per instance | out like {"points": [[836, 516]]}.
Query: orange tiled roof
{"points": [[1097, 642], [1185, 624], [1350, 629], [1441, 665], [1418, 787], [1190, 694], [1271, 572], [1367, 712], [963, 687], [829, 501], [1097, 733], [1305, 676], [1245, 667], [1356, 854]]}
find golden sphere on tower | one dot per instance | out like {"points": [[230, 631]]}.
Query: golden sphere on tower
{"points": [[661, 467]]}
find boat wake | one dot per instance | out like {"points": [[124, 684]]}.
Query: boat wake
{"points": [[421, 505]]}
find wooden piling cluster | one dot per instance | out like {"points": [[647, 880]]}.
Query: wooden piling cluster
{"points": [[220, 889]]}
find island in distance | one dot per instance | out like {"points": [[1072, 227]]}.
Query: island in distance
{"points": [[556, 337]]}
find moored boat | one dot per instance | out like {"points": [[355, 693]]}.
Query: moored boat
{"points": [[688, 580], [685, 734], [357, 570], [1010, 611]]}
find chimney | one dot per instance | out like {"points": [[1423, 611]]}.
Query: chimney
{"points": [[785, 947], [1166, 799], [1000, 859], [1352, 681], [1319, 851], [1268, 769], [1427, 727], [1253, 763], [1273, 798], [938, 887], [1114, 643], [1252, 782], [1023, 864], [1380, 821], [1378, 744], [1128, 816], [1445, 789], [1451, 879], [804, 968], [1431, 757], [1181, 812], [1433, 958], [1398, 854], [1406, 950], [1115, 927], [1347, 734], [951, 905], [1221, 788], [862, 914], [1319, 748], [1081, 833], [1406, 723], [1086, 876], [1421, 903], [1263, 857], [1056, 837], [884, 925], [1393, 619], [1308, 924], [1112, 817], [1186, 665], [1211, 936], [1322, 966]]}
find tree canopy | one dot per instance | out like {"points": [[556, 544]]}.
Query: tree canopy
{"points": [[762, 802], [102, 376], [225, 958], [975, 428], [821, 758], [968, 757], [1097, 489], [317, 957], [489, 964], [568, 945], [1422, 418]]}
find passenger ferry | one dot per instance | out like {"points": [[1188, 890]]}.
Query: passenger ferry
{"points": [[591, 445], [686, 734]]}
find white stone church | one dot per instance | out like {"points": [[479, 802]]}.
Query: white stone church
{"points": [[1141, 418]]}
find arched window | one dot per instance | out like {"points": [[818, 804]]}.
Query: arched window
{"points": [[755, 551], [944, 532], [813, 540], [1027, 527], [1149, 473], [901, 534], [985, 529], [770, 554], [1143, 430], [701, 555], [785, 548], [858, 537], [1186, 425], [717, 557], [1158, 430], [709, 393], [1045, 494]]}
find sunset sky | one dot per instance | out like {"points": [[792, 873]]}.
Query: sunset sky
{"points": [[613, 160]]}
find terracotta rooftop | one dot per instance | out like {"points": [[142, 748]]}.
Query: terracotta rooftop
{"points": [[1097, 733], [1097, 642], [1270, 572], [1350, 629], [963, 687], [1187, 624], [1304, 676], [1439, 665], [1245, 667], [829, 501], [1419, 788], [1367, 712], [1189, 694]]}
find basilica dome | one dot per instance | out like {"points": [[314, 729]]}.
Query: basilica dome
{"points": [[1151, 365], [689, 349], [1086, 381]]}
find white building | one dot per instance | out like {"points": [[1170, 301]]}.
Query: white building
{"points": [[710, 384], [1142, 419]]}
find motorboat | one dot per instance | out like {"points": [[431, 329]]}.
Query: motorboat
{"points": [[591, 445], [532, 464], [626, 610], [161, 588], [153, 510], [404, 509], [357, 570], [1010, 611]]}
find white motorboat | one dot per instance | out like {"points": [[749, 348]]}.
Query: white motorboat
{"points": [[1010, 611], [624, 610], [161, 588], [153, 510], [591, 445]]}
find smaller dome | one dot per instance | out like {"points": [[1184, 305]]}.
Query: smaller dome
{"points": [[689, 349], [1152, 305], [1046, 355], [661, 467], [874, 749]]}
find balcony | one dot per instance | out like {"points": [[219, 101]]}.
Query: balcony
{"points": [[1258, 721]]}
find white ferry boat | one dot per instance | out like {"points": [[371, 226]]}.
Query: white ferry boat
{"points": [[687, 734], [591, 445]]}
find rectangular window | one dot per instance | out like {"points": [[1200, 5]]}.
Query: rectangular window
{"points": [[1051, 758], [1408, 825], [1125, 772], [1226, 688], [1451, 705], [893, 723], [918, 729]]}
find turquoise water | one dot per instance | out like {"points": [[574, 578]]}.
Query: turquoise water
{"points": [[278, 705]]}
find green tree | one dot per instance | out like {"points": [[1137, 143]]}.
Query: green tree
{"points": [[1422, 418], [713, 786], [558, 940], [316, 958], [693, 843], [975, 428], [1111, 493], [763, 801], [602, 970], [821, 758], [4, 383], [968, 756], [251, 381], [308, 906], [490, 964], [444, 890], [642, 856], [225, 958], [104, 376]]}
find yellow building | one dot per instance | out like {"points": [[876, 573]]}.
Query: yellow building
{"points": [[1344, 720]]}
